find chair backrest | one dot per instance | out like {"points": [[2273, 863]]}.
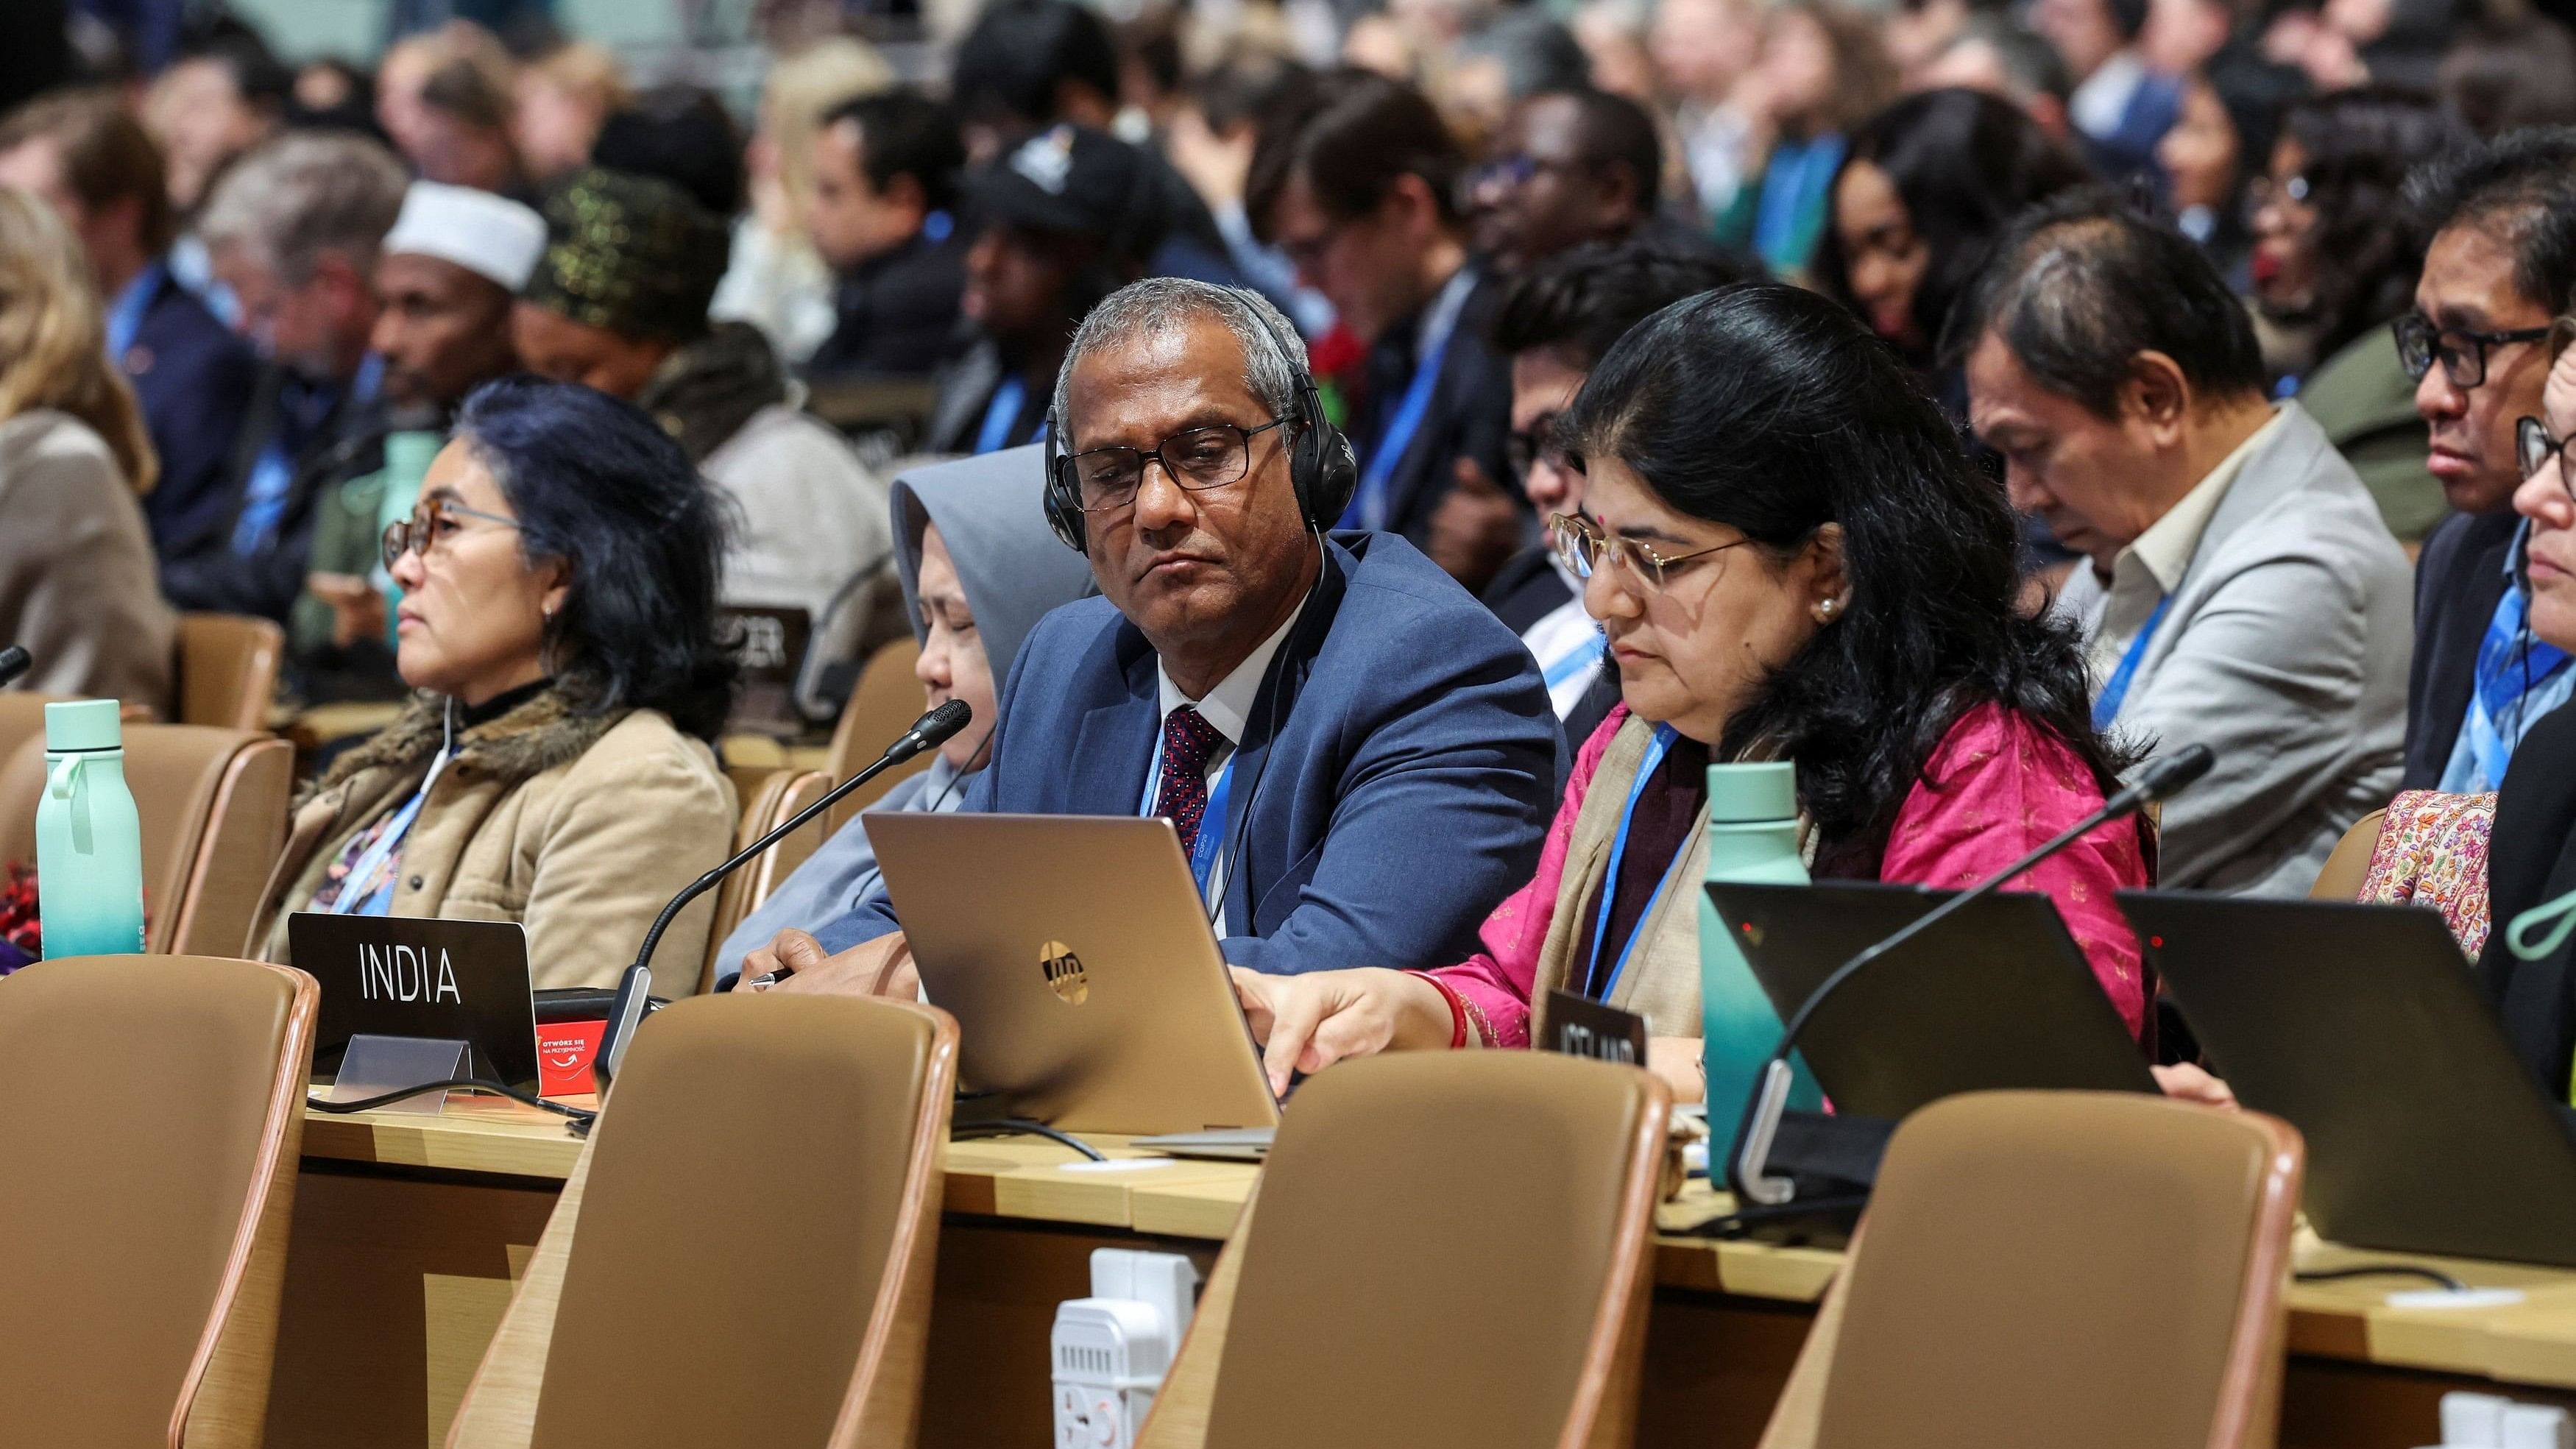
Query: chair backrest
{"points": [[2350, 863], [22, 718], [2039, 1269], [884, 703], [156, 1111], [731, 1270], [228, 669], [213, 808], [1448, 1249], [769, 797]]}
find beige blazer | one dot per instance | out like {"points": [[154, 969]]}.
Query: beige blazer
{"points": [[77, 582], [577, 827]]}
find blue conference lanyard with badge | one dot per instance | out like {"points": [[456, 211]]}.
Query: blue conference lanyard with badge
{"points": [[2116, 693], [1660, 746], [125, 319], [1368, 504]]}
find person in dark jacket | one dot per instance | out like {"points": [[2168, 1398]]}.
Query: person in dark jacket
{"points": [[293, 231], [2502, 216], [1358, 182], [85, 154], [883, 216]]}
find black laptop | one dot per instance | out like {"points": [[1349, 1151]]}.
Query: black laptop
{"points": [[2361, 1027], [1995, 997]]}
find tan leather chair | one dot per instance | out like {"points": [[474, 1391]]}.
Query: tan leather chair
{"points": [[2044, 1269], [716, 1276], [768, 798], [156, 1110], [2344, 870], [228, 670], [1448, 1249], [882, 706], [213, 808], [22, 718]]}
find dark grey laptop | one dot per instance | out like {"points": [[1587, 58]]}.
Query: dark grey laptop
{"points": [[2361, 1027], [1996, 997]]}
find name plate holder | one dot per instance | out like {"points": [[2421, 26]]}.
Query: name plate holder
{"points": [[376, 1065], [1578, 1026]]}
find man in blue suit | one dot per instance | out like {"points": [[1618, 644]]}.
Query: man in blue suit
{"points": [[87, 156], [1359, 759]]}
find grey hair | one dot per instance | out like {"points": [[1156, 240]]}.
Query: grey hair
{"points": [[1274, 356], [305, 194]]}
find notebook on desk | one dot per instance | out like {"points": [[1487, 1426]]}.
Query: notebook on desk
{"points": [[1075, 954], [1996, 997], [2361, 1026]]}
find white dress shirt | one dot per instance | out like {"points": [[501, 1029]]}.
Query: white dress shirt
{"points": [[1229, 708]]}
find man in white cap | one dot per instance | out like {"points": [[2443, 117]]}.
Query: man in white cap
{"points": [[445, 279]]}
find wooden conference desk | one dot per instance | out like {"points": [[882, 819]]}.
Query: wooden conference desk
{"points": [[409, 1230]]}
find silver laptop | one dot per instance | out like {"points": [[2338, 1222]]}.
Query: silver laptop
{"points": [[1078, 961]]}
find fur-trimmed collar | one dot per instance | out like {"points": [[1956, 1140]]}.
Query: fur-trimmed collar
{"points": [[525, 742]]}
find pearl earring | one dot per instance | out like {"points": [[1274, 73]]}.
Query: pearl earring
{"points": [[1826, 609]]}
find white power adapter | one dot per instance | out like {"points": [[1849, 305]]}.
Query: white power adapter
{"points": [[1113, 1348], [2490, 1421]]}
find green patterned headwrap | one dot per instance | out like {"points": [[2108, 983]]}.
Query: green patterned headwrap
{"points": [[633, 254]]}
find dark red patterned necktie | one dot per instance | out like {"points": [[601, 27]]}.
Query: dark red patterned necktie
{"points": [[1182, 798]]}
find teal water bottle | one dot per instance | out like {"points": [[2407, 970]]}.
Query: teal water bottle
{"points": [[407, 457], [1752, 838], [89, 845]]}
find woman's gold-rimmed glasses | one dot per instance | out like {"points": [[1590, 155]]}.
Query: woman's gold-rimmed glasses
{"points": [[1583, 546]]}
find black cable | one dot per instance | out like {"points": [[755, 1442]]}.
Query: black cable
{"points": [[2383, 1270], [452, 1084], [1019, 1127]]}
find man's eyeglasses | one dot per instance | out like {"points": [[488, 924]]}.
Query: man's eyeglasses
{"points": [[2535, 446], [1514, 171], [1584, 546], [1199, 459], [1535, 444], [431, 524], [2461, 351]]}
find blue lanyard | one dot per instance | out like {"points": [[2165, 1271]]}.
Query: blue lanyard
{"points": [[1368, 505], [362, 884], [1001, 415], [125, 320], [1660, 746], [2107, 708], [1211, 841], [1573, 661]]}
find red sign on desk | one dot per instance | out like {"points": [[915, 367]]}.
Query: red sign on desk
{"points": [[564, 1053]]}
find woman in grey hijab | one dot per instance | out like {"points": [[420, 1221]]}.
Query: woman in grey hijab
{"points": [[979, 570]]}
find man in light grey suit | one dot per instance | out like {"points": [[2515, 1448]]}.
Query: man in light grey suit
{"points": [[2241, 591]]}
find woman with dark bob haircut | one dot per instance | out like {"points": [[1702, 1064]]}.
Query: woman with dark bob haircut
{"points": [[558, 629], [1792, 560]]}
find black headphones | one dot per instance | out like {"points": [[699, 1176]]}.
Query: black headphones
{"points": [[1321, 466]]}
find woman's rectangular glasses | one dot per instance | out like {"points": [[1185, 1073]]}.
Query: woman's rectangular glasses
{"points": [[431, 522]]}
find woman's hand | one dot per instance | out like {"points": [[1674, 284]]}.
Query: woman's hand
{"points": [[1306, 1023], [2185, 1082]]}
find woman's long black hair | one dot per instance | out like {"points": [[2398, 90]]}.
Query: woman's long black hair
{"points": [[1964, 163], [2359, 147], [597, 483], [1775, 412]]}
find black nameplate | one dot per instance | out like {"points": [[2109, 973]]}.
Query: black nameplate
{"points": [[1578, 1026], [408, 976]]}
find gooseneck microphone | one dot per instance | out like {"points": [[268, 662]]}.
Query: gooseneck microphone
{"points": [[1748, 1173], [633, 989], [14, 661]]}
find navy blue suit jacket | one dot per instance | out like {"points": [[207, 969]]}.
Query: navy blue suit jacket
{"points": [[1404, 791], [193, 378]]}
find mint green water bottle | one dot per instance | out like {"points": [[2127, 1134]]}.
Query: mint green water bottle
{"points": [[1752, 838], [89, 845]]}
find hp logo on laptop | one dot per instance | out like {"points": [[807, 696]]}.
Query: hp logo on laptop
{"points": [[1063, 971]]}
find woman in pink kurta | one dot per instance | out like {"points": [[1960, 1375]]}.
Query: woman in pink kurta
{"points": [[1790, 558]]}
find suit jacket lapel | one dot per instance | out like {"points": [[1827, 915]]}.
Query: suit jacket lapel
{"points": [[1289, 669], [1114, 746]]}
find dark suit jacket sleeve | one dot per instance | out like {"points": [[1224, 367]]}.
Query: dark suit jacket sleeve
{"points": [[1459, 747]]}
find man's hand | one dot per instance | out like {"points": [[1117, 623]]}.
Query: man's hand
{"points": [[1307, 1023], [357, 609], [1475, 528], [882, 967]]}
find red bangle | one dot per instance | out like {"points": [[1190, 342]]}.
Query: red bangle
{"points": [[1457, 1010]]}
